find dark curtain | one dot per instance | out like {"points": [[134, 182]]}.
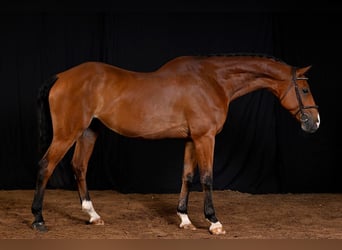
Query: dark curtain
{"points": [[310, 163], [261, 148]]}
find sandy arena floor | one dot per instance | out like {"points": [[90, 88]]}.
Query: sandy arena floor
{"points": [[153, 216]]}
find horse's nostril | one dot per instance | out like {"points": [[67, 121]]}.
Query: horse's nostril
{"points": [[304, 118]]}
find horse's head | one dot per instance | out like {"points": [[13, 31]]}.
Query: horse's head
{"points": [[296, 97]]}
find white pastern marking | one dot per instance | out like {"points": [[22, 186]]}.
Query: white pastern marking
{"points": [[215, 225], [87, 206], [318, 121], [184, 219], [216, 228]]}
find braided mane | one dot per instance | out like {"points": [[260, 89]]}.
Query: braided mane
{"points": [[248, 55]]}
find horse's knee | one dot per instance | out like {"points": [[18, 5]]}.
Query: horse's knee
{"points": [[206, 180], [189, 178]]}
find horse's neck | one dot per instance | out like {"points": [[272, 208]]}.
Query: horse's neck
{"points": [[242, 86], [238, 80]]}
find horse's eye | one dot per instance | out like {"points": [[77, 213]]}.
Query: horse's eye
{"points": [[305, 90]]}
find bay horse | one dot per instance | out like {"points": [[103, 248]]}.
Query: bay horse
{"points": [[188, 97]]}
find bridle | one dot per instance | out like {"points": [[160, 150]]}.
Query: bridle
{"points": [[303, 115]]}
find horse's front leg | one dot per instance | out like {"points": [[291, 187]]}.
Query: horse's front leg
{"points": [[83, 150], [204, 148], [188, 174]]}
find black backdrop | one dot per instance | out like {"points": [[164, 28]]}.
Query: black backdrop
{"points": [[261, 148]]}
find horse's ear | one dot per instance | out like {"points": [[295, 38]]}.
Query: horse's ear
{"points": [[302, 71]]}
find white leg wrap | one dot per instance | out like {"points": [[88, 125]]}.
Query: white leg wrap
{"points": [[87, 206]]}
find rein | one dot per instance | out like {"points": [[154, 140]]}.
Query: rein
{"points": [[302, 107]]}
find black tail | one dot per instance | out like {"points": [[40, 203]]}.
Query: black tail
{"points": [[44, 117]]}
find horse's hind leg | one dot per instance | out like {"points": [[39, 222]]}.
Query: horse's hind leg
{"points": [[47, 164], [83, 149], [188, 174]]}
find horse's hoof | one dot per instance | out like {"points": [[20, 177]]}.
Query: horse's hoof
{"points": [[188, 226], [39, 226], [216, 228], [217, 231], [97, 222]]}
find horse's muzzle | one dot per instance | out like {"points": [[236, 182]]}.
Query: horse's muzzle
{"points": [[308, 123]]}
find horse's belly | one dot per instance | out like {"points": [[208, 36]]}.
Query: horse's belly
{"points": [[149, 127]]}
